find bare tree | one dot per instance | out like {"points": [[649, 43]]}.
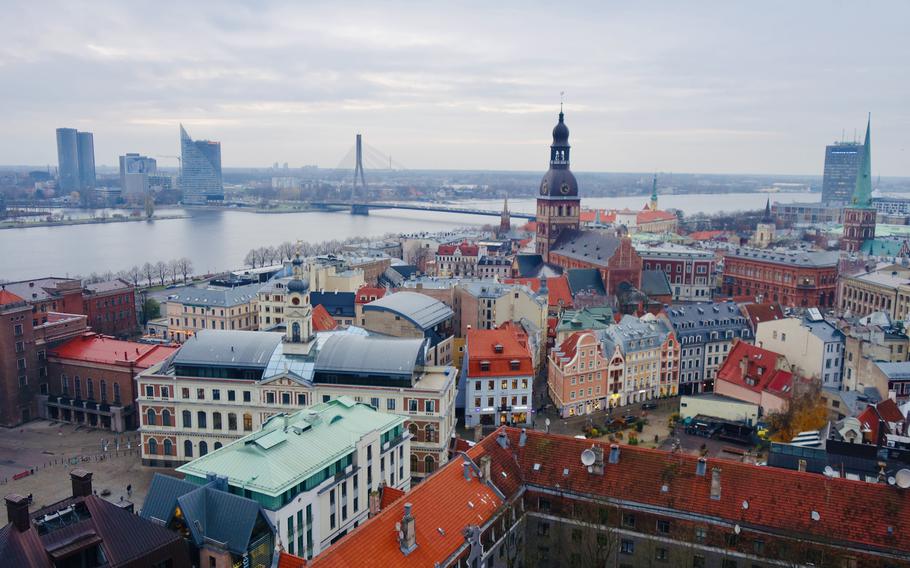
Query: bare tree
{"points": [[251, 259], [186, 267], [134, 275], [286, 250], [272, 255], [173, 269], [262, 255], [161, 271], [149, 272]]}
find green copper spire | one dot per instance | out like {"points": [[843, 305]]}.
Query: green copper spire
{"points": [[653, 204], [862, 195]]}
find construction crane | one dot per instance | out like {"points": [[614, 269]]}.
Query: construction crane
{"points": [[179, 163]]}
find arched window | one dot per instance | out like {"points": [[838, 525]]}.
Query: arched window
{"points": [[168, 447], [150, 417], [414, 462], [429, 464], [431, 433], [203, 448], [247, 422], [232, 421], [153, 446], [295, 332], [187, 419], [165, 417], [216, 420], [187, 449], [200, 419], [217, 445], [412, 428]]}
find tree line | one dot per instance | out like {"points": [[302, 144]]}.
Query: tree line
{"points": [[151, 274], [272, 255]]}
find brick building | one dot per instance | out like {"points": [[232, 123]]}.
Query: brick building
{"points": [[611, 254], [689, 271], [531, 499], [92, 380], [793, 278]]}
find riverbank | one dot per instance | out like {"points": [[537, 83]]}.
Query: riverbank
{"points": [[87, 221]]}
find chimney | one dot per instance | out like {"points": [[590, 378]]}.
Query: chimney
{"points": [[701, 467], [502, 439], [614, 453], [17, 511], [478, 432], [407, 539], [598, 467], [467, 470], [81, 481], [523, 438], [485, 462], [715, 483], [744, 366], [801, 466]]}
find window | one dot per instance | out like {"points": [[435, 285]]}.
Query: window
{"points": [[732, 539], [429, 405], [168, 447], [216, 420], [270, 398], [166, 417], [286, 398], [543, 528], [627, 546], [232, 421], [200, 423], [247, 396], [188, 449], [390, 404], [663, 526], [301, 399], [153, 446], [149, 391], [759, 547], [374, 402], [165, 392], [187, 419], [661, 554], [247, 422], [412, 405], [701, 533], [216, 394], [628, 520], [200, 394], [150, 417], [116, 393], [203, 448], [103, 390]]}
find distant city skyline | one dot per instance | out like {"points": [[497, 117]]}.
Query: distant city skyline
{"points": [[713, 87]]}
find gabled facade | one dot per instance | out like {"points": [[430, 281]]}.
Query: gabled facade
{"points": [[580, 380], [498, 378]]}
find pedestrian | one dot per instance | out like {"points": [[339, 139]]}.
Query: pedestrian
{"points": [[129, 490]]}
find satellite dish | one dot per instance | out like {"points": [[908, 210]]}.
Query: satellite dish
{"points": [[891, 480], [745, 505], [587, 457], [815, 516], [902, 478], [829, 471], [547, 421], [737, 529]]}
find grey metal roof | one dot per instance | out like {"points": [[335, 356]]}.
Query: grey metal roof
{"points": [[586, 280], [216, 297], [221, 516], [422, 310], [162, 496], [815, 259], [591, 246], [379, 355], [655, 283], [824, 331], [894, 371], [223, 348], [632, 334], [701, 319]]}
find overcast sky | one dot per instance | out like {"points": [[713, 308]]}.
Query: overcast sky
{"points": [[737, 87]]}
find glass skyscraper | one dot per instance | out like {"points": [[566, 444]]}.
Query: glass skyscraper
{"points": [[842, 162], [200, 179], [75, 159], [67, 159]]}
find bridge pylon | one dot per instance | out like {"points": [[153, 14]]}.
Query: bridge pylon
{"points": [[359, 207]]}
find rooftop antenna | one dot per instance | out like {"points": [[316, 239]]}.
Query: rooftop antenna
{"points": [[562, 95]]}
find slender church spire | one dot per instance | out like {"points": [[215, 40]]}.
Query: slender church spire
{"points": [[767, 217], [653, 204], [862, 194]]}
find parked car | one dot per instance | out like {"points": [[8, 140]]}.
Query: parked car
{"points": [[648, 405]]}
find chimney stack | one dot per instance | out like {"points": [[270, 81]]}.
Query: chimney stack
{"points": [[614, 453], [502, 439], [17, 511], [598, 467], [523, 438], [81, 481], [407, 538], [744, 366], [478, 432], [701, 467], [485, 462], [466, 470], [715, 483]]}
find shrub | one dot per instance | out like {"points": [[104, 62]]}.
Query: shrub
{"points": [[639, 426]]}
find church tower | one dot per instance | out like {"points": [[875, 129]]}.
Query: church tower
{"points": [[859, 216], [652, 205], [505, 222], [558, 205], [298, 313], [764, 230]]}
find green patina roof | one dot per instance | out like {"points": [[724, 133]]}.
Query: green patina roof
{"points": [[276, 458], [882, 247], [654, 189], [862, 195], [585, 319]]}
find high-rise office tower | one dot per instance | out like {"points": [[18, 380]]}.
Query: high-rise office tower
{"points": [[86, 150], [200, 180], [134, 173], [842, 161], [67, 159]]}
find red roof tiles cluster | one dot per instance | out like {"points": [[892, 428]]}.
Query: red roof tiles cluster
{"points": [[491, 352], [465, 248], [755, 369], [758, 313], [570, 344], [367, 293], [831, 510], [95, 348], [7, 297], [558, 292], [322, 320], [887, 411]]}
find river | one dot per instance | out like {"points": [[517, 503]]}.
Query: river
{"points": [[219, 240]]}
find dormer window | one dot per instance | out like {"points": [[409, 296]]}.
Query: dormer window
{"points": [[514, 364], [498, 348], [484, 365]]}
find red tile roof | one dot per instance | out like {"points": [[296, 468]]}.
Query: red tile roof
{"points": [[649, 216], [367, 293], [322, 320], [465, 248], [758, 313], [783, 501], [887, 410], [706, 235], [442, 506], [286, 560], [7, 297], [558, 291], [95, 348], [481, 345], [570, 344], [761, 372], [587, 215], [389, 496]]}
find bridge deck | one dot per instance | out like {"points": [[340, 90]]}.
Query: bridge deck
{"points": [[434, 208]]}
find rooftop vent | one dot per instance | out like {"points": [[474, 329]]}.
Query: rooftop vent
{"points": [[614, 453], [701, 467]]}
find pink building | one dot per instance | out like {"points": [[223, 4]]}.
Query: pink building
{"points": [[579, 376], [756, 375]]}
